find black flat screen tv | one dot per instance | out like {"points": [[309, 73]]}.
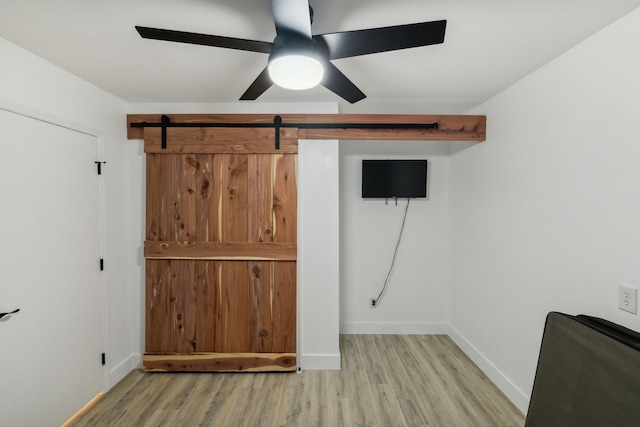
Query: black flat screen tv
{"points": [[383, 179]]}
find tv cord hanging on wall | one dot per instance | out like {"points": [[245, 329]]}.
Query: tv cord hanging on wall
{"points": [[376, 301]]}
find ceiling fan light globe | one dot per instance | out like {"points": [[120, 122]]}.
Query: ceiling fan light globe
{"points": [[297, 72]]}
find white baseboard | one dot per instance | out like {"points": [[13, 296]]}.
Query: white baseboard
{"points": [[121, 370], [490, 370], [394, 328], [329, 362]]}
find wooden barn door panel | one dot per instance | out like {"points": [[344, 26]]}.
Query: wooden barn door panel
{"points": [[221, 269]]}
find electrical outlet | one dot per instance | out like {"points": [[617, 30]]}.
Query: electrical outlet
{"points": [[373, 303], [628, 299]]}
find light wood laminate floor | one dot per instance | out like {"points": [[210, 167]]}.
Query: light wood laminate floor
{"points": [[385, 380]]}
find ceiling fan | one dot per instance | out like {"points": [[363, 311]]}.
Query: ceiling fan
{"points": [[300, 60]]}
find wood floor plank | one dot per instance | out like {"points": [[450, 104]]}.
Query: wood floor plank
{"points": [[385, 380]]}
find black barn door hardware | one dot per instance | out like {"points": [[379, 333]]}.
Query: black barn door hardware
{"points": [[277, 125]]}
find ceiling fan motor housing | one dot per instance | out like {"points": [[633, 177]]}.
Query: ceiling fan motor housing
{"points": [[293, 44], [297, 62]]}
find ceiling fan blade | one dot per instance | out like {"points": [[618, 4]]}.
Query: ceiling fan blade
{"points": [[258, 87], [204, 39], [363, 42], [339, 84], [292, 16]]}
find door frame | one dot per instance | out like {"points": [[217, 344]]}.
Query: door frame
{"points": [[42, 116]]}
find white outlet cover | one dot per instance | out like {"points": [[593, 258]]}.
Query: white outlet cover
{"points": [[628, 299]]}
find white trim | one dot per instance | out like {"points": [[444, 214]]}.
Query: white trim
{"points": [[43, 116], [102, 227], [121, 370], [299, 268], [392, 328], [320, 362], [517, 396]]}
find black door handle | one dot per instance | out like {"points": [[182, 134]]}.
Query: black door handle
{"points": [[11, 312]]}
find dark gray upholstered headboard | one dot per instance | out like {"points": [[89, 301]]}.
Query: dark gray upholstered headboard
{"points": [[588, 375]]}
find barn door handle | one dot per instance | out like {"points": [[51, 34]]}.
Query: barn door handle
{"points": [[11, 312]]}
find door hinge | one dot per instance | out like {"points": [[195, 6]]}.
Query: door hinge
{"points": [[104, 359], [100, 167], [101, 264]]}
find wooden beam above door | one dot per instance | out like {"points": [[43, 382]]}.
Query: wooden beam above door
{"points": [[449, 127]]}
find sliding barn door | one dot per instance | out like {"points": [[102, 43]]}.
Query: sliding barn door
{"points": [[220, 250]]}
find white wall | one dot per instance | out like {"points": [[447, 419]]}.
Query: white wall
{"points": [[34, 86], [318, 254], [416, 299], [544, 214]]}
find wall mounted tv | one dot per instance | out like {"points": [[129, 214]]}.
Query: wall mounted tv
{"points": [[383, 179]]}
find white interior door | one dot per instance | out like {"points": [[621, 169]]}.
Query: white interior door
{"points": [[50, 364]]}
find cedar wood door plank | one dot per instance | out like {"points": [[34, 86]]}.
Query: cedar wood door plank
{"points": [[186, 197], [205, 203], [162, 204], [260, 323], [153, 196], [235, 274], [260, 198], [169, 207], [260, 225], [183, 307], [208, 306], [208, 292], [235, 314], [284, 306], [285, 198], [284, 273], [157, 303]]}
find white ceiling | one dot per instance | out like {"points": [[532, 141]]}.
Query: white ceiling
{"points": [[489, 45]]}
